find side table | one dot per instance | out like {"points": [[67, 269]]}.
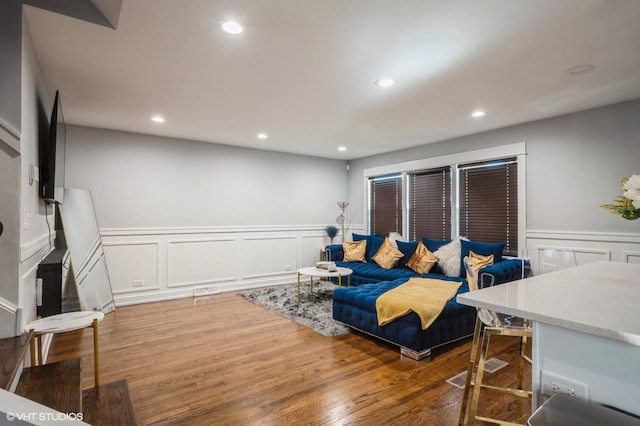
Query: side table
{"points": [[62, 323], [312, 271]]}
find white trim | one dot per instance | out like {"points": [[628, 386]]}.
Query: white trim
{"points": [[447, 160], [8, 306], [33, 247], [583, 236], [117, 232], [10, 136], [179, 293], [522, 202], [201, 282], [627, 255], [269, 237]]}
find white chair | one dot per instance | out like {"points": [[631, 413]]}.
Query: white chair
{"points": [[550, 260], [489, 323]]}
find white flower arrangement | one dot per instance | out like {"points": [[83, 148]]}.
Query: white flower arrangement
{"points": [[627, 205], [632, 190]]}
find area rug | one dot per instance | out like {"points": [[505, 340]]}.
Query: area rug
{"points": [[313, 311]]}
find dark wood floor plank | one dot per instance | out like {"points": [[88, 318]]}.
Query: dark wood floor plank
{"points": [[108, 405], [55, 385], [223, 360]]}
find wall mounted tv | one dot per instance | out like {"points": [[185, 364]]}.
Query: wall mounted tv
{"points": [[52, 156]]}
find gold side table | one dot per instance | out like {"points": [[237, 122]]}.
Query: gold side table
{"points": [[62, 323], [312, 271]]}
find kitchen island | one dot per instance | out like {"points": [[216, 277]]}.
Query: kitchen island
{"points": [[586, 330]]}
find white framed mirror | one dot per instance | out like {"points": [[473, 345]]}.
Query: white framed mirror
{"points": [[88, 263]]}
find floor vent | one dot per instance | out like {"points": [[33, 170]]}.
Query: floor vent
{"points": [[491, 366], [206, 291]]}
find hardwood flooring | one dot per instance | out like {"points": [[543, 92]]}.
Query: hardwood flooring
{"points": [[221, 360]]}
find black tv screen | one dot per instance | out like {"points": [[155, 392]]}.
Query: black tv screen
{"points": [[52, 166]]}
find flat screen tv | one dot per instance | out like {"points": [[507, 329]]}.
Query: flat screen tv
{"points": [[52, 156]]}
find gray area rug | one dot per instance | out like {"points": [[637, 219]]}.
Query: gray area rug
{"points": [[314, 310]]}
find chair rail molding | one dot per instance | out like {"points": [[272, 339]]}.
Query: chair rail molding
{"points": [[10, 136]]}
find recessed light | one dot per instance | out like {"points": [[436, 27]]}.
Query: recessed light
{"points": [[157, 119], [385, 82], [478, 114], [580, 69], [262, 136], [342, 148], [232, 27]]}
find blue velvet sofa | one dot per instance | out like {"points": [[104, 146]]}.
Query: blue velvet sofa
{"points": [[355, 307]]}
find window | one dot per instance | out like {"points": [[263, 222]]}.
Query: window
{"points": [[488, 204], [430, 204], [477, 194], [385, 214]]}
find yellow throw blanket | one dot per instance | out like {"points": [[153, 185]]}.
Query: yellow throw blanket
{"points": [[425, 296]]}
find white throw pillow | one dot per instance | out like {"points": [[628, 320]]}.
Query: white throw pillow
{"points": [[449, 258], [395, 236]]}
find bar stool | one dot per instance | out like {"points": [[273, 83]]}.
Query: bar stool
{"points": [[489, 323]]}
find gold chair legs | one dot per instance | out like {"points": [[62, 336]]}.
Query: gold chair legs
{"points": [[479, 348]]}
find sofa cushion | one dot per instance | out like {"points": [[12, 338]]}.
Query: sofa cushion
{"points": [[434, 245], [354, 251], [477, 262], [370, 272], [449, 258], [373, 243], [484, 249], [422, 260], [387, 255], [407, 250]]}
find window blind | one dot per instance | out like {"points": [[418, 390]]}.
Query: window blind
{"points": [[430, 204], [386, 205], [489, 203]]}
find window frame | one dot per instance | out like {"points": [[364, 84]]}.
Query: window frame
{"points": [[517, 150]]}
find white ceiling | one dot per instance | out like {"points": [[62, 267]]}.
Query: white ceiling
{"points": [[303, 71]]}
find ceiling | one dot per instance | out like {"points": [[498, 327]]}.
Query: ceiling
{"points": [[303, 71]]}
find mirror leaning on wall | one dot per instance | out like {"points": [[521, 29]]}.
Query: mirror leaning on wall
{"points": [[88, 263]]}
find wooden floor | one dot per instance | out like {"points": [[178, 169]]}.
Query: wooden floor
{"points": [[223, 360]]}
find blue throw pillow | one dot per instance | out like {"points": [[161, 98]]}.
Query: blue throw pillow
{"points": [[484, 249], [373, 245], [407, 248], [434, 245]]}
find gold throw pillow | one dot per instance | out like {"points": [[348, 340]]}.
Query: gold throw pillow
{"points": [[477, 262], [422, 260], [387, 255], [354, 251]]}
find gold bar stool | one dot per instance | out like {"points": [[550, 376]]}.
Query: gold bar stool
{"points": [[489, 323], [63, 323]]}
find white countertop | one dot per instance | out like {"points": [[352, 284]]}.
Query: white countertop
{"points": [[600, 298]]}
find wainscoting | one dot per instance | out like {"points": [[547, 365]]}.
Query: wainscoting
{"points": [[588, 246], [147, 265]]}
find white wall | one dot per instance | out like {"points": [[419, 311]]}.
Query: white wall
{"points": [[178, 214], [574, 164], [25, 239], [35, 217]]}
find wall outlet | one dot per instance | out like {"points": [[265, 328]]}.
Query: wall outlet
{"points": [[138, 283], [288, 268], [25, 222], [553, 383], [206, 291]]}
